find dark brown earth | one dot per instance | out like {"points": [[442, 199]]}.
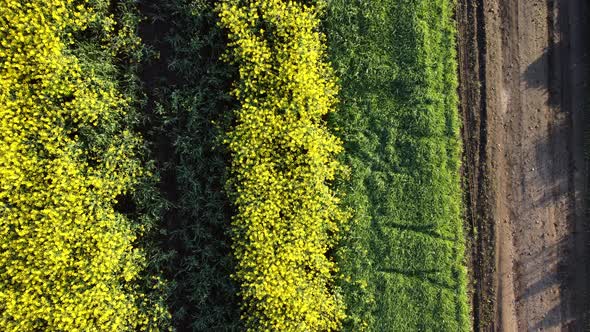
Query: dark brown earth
{"points": [[523, 72]]}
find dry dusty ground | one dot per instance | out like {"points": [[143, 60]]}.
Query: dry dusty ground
{"points": [[524, 95]]}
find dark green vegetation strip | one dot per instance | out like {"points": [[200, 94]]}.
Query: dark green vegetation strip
{"points": [[188, 107], [403, 259]]}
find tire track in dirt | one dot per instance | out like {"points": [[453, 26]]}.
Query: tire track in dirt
{"points": [[532, 111], [479, 226]]}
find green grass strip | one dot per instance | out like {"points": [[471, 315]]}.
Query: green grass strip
{"points": [[402, 260]]}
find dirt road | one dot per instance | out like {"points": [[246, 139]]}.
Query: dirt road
{"points": [[523, 92]]}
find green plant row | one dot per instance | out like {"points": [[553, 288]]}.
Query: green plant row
{"points": [[403, 260], [283, 160], [187, 112], [69, 166]]}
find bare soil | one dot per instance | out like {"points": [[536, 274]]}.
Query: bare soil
{"points": [[523, 72]]}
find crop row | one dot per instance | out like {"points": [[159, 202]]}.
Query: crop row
{"points": [[188, 110], [68, 258], [283, 157]]}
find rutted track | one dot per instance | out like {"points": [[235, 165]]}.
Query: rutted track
{"points": [[473, 111], [522, 93]]}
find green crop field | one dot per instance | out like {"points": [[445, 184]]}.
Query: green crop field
{"points": [[402, 260]]}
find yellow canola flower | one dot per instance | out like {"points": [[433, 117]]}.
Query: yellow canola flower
{"points": [[284, 159], [67, 261]]}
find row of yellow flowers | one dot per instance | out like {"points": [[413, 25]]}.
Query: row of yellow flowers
{"points": [[287, 218], [67, 257]]}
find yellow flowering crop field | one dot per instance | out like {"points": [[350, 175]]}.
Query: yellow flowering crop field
{"points": [[229, 165]]}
